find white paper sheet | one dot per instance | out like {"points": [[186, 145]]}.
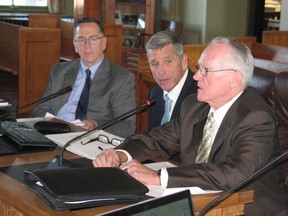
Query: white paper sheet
{"points": [[90, 150]]}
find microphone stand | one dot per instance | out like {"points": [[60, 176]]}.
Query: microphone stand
{"points": [[49, 97], [241, 183], [58, 160]]}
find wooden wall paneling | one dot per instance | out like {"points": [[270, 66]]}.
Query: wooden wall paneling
{"points": [[145, 82], [9, 47], [87, 8], [278, 38], [247, 40], [44, 20], [39, 49], [193, 52], [270, 52], [114, 34], [110, 6], [67, 48]]}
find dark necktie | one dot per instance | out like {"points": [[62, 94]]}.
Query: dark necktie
{"points": [[81, 111]]}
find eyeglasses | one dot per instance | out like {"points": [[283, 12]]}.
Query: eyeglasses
{"points": [[92, 40], [204, 71], [104, 139]]}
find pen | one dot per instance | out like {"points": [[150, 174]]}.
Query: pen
{"points": [[99, 147], [91, 140]]}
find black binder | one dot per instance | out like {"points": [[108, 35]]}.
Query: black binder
{"points": [[76, 188]]}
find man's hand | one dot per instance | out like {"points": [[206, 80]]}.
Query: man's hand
{"points": [[89, 124], [142, 173], [109, 158]]}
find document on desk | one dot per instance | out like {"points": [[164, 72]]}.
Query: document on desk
{"points": [[158, 191], [76, 122], [89, 147]]}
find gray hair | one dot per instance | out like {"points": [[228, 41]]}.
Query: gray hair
{"points": [[240, 57], [163, 38]]}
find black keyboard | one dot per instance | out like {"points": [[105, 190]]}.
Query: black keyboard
{"points": [[25, 135]]}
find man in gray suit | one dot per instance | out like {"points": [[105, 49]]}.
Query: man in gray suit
{"points": [[239, 129], [112, 87]]}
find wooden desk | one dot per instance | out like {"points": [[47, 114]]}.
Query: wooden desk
{"points": [[16, 199]]}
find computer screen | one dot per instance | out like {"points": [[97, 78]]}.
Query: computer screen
{"points": [[179, 204]]}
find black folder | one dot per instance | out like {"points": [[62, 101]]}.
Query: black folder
{"points": [[77, 188]]}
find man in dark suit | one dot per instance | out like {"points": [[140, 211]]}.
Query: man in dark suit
{"points": [[112, 87], [169, 66], [238, 126]]}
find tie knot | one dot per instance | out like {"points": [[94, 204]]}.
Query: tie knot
{"points": [[88, 73], [210, 116], [166, 98]]}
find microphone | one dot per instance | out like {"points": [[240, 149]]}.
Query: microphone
{"points": [[49, 97], [242, 183], [58, 160]]}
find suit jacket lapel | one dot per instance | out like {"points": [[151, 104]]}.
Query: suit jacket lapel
{"points": [[160, 108], [224, 128], [69, 80], [101, 77], [198, 128]]}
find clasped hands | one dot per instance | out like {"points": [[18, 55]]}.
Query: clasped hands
{"points": [[111, 158]]}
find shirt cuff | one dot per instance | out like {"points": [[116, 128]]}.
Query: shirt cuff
{"points": [[164, 177], [126, 153]]}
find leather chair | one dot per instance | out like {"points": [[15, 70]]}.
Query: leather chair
{"points": [[274, 87]]}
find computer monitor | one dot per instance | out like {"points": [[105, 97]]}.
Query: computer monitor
{"points": [[179, 204]]}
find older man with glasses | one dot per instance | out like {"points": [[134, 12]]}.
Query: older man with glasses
{"points": [[102, 90], [224, 133]]}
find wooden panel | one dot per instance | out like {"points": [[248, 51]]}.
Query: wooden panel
{"points": [[110, 6], [44, 20], [39, 50], [67, 47], [270, 52], [193, 52], [145, 82], [87, 8], [9, 47], [278, 38], [114, 34], [246, 40]]}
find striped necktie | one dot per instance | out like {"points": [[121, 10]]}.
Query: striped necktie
{"points": [[206, 142], [81, 111]]}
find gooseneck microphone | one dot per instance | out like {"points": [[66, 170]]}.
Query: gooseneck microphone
{"points": [[49, 97], [57, 161], [242, 183]]}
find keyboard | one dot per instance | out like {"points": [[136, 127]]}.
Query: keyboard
{"points": [[25, 135]]}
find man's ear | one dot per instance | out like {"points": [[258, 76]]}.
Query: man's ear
{"points": [[185, 62], [104, 43], [236, 79], [75, 48]]}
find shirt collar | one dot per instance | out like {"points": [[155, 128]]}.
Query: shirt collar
{"points": [[220, 113], [174, 93], [93, 69]]}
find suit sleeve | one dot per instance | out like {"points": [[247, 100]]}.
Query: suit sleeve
{"points": [[123, 101], [42, 108]]}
